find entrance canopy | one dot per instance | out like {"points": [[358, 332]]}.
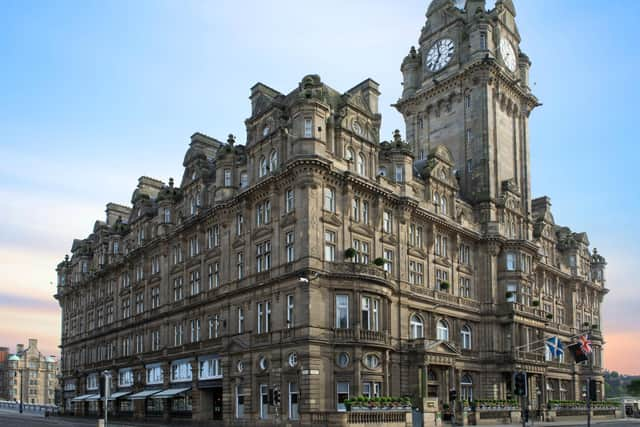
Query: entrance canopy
{"points": [[119, 394], [93, 397], [170, 392], [81, 398], [143, 394]]}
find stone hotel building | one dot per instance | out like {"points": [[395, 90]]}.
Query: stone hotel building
{"points": [[317, 260]]}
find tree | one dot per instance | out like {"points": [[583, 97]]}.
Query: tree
{"points": [[633, 388]]}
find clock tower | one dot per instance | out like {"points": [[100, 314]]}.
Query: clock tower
{"points": [[466, 87]]}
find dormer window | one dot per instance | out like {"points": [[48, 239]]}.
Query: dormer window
{"points": [[308, 128], [399, 173], [483, 41], [273, 161], [167, 216], [116, 247], [227, 177], [244, 180]]}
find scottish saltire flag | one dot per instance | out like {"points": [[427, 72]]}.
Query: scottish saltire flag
{"points": [[555, 347]]}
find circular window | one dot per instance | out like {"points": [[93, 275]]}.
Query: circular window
{"points": [[293, 359], [343, 360], [263, 363], [240, 366], [371, 361]]}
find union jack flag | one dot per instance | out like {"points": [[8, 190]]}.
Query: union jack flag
{"points": [[585, 344]]}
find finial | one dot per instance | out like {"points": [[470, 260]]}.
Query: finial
{"points": [[231, 140], [171, 182], [66, 258], [412, 51]]}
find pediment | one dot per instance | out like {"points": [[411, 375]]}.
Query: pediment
{"points": [[331, 218], [236, 344], [363, 230], [441, 348]]}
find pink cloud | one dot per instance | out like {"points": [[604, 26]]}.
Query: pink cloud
{"points": [[620, 352]]}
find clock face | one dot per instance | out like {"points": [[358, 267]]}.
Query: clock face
{"points": [[508, 54], [440, 54]]}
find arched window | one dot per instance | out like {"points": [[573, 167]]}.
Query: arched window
{"points": [[442, 330], [465, 334], [273, 161], [348, 154], [417, 327], [466, 388], [361, 165], [436, 200], [263, 167], [443, 205]]}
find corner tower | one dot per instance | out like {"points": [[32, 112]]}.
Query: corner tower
{"points": [[467, 87]]}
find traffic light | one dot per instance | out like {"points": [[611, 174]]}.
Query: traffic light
{"points": [[453, 395], [520, 384], [276, 397]]}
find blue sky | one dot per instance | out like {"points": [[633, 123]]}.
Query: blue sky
{"points": [[94, 94]]}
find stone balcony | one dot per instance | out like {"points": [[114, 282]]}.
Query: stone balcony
{"points": [[362, 336], [355, 270]]}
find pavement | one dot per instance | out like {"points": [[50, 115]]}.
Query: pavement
{"points": [[10, 418]]}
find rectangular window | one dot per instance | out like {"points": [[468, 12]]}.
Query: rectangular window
{"points": [[194, 281], [465, 287], [155, 297], [329, 199], [263, 213], [342, 390], [260, 317], [155, 340], [263, 256], [195, 330], [264, 401], [469, 165], [240, 265], [399, 173], [289, 244], [329, 246], [483, 41], [362, 252], [227, 177], [177, 334], [239, 401], [467, 102], [177, 289], [213, 275], [342, 311], [355, 209], [416, 273], [239, 224], [210, 368], [290, 312], [289, 200], [240, 320], [294, 413], [388, 261], [365, 212], [370, 314], [511, 261], [139, 303], [308, 128], [387, 221], [213, 236]]}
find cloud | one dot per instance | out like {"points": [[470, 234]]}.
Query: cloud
{"points": [[620, 352]]}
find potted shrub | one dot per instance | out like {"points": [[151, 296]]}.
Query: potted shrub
{"points": [[444, 286], [595, 326], [508, 294], [535, 303], [350, 253], [549, 316], [379, 262], [585, 324], [347, 404]]}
